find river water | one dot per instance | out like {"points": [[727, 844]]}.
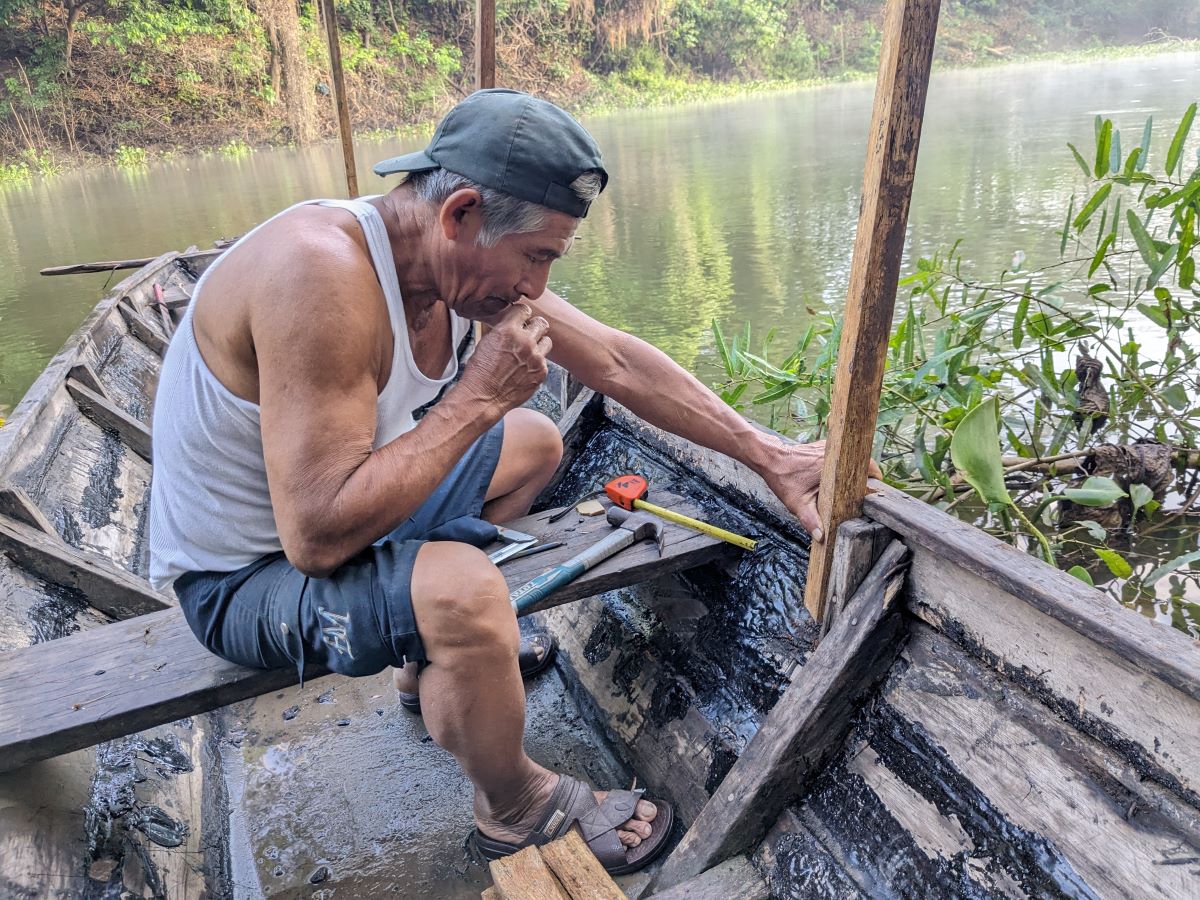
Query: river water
{"points": [[741, 211]]}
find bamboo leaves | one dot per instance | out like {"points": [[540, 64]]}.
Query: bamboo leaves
{"points": [[1097, 199], [1175, 152], [1103, 148]]}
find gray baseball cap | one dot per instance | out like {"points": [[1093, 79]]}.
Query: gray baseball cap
{"points": [[512, 142]]}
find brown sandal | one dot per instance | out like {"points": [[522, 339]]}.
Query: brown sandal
{"points": [[573, 803]]}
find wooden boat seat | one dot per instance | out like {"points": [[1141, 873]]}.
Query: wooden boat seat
{"points": [[148, 670]]}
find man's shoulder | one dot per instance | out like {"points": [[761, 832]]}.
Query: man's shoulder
{"points": [[313, 238], [309, 264]]}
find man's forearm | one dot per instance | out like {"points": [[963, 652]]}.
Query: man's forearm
{"points": [[656, 388], [393, 481]]}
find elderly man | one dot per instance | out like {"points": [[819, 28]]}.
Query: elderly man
{"points": [[304, 517]]}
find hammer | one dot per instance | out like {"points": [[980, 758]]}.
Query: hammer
{"points": [[629, 529], [629, 492]]}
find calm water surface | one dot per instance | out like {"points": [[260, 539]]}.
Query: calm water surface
{"points": [[739, 211]]}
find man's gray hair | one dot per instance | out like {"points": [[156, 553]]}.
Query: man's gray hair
{"points": [[503, 214]]}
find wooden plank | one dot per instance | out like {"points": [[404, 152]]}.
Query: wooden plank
{"points": [[617, 678], [1153, 722], [16, 504], [1040, 774], [525, 876], [1157, 649], [799, 865], [734, 879], [108, 266], [682, 549], [859, 543], [105, 586], [141, 329], [46, 391], [578, 871], [110, 417], [329, 14], [802, 730], [577, 425], [726, 477], [100, 684], [86, 375], [485, 44], [137, 694], [905, 57]]}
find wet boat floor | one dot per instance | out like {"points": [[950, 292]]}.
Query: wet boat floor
{"points": [[336, 791]]}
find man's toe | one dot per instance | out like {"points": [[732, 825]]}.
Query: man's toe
{"points": [[628, 838], [646, 811]]}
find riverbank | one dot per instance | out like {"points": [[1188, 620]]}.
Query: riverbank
{"points": [[599, 95]]}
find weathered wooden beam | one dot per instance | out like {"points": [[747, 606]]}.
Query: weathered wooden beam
{"points": [[485, 44], [117, 679], [734, 879], [578, 870], [807, 725], [16, 504], [329, 14], [105, 586], [525, 876], [681, 549], [859, 543], [576, 426], [1154, 648], [162, 673], [907, 51], [109, 266], [141, 329], [109, 416], [86, 375]]}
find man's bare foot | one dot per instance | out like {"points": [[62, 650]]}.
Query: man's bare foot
{"points": [[515, 828]]}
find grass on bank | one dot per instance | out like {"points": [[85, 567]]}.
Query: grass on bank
{"points": [[636, 88]]}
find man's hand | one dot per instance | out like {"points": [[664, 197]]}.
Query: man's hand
{"points": [[795, 477], [510, 361]]}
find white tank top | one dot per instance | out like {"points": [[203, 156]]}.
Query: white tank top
{"points": [[210, 508]]}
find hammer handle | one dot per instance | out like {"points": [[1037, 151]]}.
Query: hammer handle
{"points": [[528, 595]]}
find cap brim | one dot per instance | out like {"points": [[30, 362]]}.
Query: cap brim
{"points": [[409, 162]]}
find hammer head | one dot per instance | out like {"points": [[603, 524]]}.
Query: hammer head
{"points": [[642, 524]]}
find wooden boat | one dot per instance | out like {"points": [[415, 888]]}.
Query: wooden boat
{"points": [[983, 725]]}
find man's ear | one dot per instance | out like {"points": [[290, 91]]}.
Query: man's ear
{"points": [[461, 215]]}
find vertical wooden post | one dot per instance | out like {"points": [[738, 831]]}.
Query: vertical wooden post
{"points": [[895, 134], [339, 96], [485, 74], [485, 44]]}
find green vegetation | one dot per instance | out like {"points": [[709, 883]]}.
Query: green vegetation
{"points": [[236, 148], [88, 77], [1057, 407], [130, 157]]}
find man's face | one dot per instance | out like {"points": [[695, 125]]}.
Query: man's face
{"points": [[482, 282]]}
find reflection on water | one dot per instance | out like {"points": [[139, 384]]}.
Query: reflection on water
{"points": [[740, 211]]}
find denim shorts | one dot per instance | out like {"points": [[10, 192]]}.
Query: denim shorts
{"points": [[357, 621]]}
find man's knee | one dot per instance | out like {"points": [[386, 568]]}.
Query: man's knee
{"points": [[540, 439], [460, 598]]}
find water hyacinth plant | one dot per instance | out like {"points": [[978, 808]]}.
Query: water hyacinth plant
{"points": [[1056, 407]]}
